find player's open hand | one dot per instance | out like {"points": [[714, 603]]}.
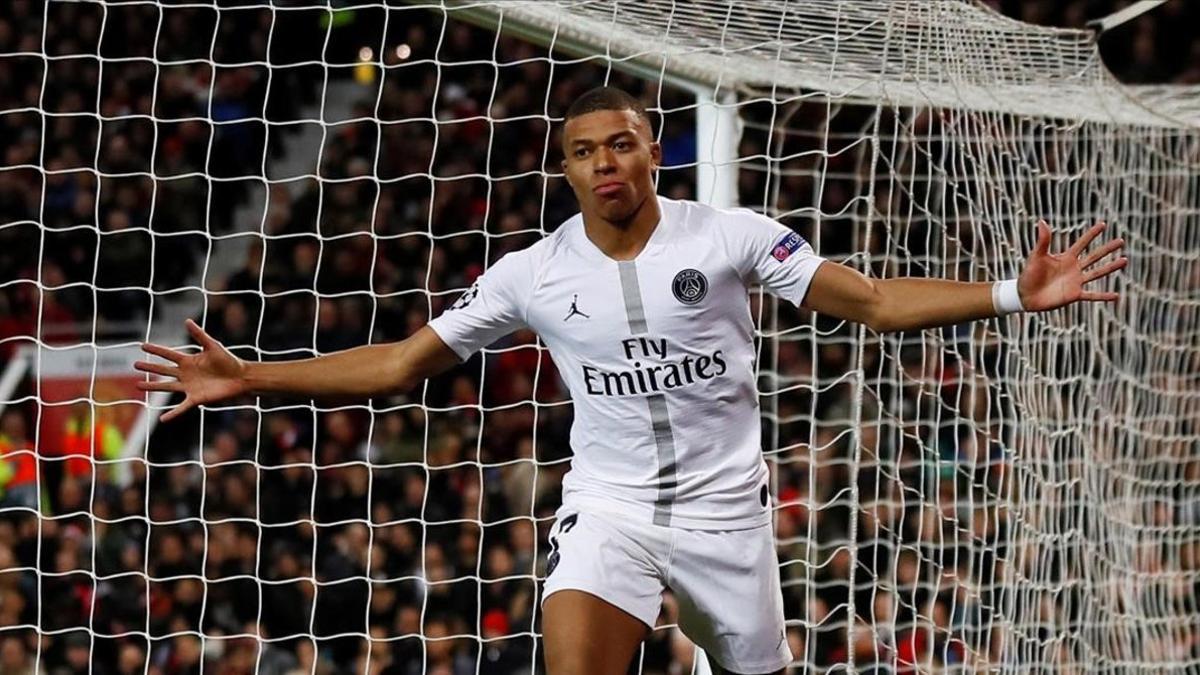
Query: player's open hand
{"points": [[212, 375], [1051, 280]]}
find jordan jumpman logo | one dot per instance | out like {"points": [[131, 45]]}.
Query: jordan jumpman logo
{"points": [[575, 310]]}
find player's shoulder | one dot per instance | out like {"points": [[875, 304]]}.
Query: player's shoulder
{"points": [[730, 229], [745, 237], [705, 219], [532, 259]]}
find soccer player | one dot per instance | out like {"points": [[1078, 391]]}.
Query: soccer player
{"points": [[642, 302]]}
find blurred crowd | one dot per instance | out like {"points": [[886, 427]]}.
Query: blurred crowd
{"points": [[1159, 47], [271, 536]]}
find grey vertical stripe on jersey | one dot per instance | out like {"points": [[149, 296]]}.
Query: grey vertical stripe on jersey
{"points": [[660, 419], [633, 297]]}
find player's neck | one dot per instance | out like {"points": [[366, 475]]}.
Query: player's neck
{"points": [[624, 240]]}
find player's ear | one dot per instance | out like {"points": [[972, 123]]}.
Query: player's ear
{"points": [[565, 174], [655, 155]]}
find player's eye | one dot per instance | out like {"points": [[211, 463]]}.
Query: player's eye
{"points": [[621, 145], [581, 152]]}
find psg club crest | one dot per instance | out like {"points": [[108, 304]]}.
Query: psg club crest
{"points": [[690, 286]]}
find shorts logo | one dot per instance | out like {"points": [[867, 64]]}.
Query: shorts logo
{"points": [[787, 246], [555, 556], [690, 286]]}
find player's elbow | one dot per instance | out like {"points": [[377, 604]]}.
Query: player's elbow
{"points": [[418, 358], [882, 322], [847, 294], [402, 383], [875, 310], [401, 376]]}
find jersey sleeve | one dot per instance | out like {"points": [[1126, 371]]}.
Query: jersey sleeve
{"points": [[770, 253], [491, 308]]}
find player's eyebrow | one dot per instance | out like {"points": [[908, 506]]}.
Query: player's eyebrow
{"points": [[612, 137]]}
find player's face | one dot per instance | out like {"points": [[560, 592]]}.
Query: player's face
{"points": [[610, 163]]}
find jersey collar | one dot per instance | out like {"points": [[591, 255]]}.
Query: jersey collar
{"points": [[658, 237]]}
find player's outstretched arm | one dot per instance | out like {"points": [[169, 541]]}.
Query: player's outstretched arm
{"points": [[215, 374], [1049, 281]]}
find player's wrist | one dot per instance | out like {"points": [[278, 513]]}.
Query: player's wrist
{"points": [[253, 377], [1006, 297]]}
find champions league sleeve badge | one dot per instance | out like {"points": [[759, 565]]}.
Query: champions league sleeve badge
{"points": [[466, 298], [690, 286], [787, 246]]}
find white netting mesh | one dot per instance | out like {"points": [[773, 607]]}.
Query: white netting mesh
{"points": [[908, 53], [1021, 494]]}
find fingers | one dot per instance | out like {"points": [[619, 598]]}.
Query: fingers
{"points": [[178, 410], [1099, 296], [160, 385], [164, 352], [1106, 270], [1043, 240], [173, 385], [1095, 256], [157, 368], [203, 339], [1084, 241]]}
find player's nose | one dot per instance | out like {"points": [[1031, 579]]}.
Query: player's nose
{"points": [[602, 161]]}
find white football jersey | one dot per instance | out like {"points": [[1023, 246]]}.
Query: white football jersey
{"points": [[658, 354]]}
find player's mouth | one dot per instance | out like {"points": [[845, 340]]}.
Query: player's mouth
{"points": [[608, 189]]}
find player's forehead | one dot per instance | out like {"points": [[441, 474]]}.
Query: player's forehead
{"points": [[600, 125]]}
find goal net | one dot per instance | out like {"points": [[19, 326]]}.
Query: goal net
{"points": [[1019, 494]]}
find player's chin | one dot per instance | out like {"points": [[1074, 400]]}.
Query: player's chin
{"points": [[616, 210]]}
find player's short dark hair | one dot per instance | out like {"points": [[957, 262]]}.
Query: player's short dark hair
{"points": [[606, 98]]}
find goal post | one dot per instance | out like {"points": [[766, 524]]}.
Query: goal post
{"points": [[1011, 495]]}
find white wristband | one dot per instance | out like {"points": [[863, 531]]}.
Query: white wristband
{"points": [[1005, 297]]}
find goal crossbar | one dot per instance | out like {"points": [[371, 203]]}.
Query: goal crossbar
{"points": [[967, 56]]}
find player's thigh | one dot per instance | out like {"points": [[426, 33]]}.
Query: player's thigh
{"points": [[583, 634], [730, 602], [603, 591]]}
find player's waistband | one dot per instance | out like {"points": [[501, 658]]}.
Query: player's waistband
{"points": [[683, 514]]}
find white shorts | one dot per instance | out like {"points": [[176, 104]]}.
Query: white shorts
{"points": [[726, 582]]}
